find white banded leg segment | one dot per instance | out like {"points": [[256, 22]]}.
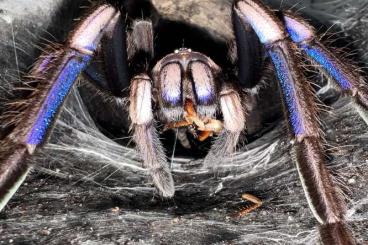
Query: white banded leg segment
{"points": [[234, 123], [140, 108], [146, 137], [232, 110], [361, 108], [269, 29], [88, 34], [13, 170], [298, 29]]}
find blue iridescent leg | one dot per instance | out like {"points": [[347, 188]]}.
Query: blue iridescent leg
{"points": [[322, 195], [345, 76], [56, 73]]}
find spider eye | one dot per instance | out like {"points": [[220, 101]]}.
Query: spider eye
{"points": [[203, 81], [170, 78]]}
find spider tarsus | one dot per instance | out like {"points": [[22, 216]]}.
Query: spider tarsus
{"points": [[223, 146], [163, 181], [154, 159], [362, 110]]}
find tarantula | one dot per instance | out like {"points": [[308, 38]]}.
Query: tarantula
{"points": [[187, 89]]}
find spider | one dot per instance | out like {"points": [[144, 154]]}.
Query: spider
{"points": [[187, 89]]}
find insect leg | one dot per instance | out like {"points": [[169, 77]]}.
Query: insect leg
{"points": [[256, 203], [45, 104]]}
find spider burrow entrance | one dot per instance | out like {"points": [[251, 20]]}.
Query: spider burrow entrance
{"points": [[142, 115]]}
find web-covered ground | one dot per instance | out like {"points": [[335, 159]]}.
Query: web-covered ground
{"points": [[88, 189]]}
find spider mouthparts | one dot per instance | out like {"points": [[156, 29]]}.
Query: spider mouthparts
{"points": [[200, 127]]}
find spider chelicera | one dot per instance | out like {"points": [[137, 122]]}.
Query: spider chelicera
{"points": [[187, 89]]}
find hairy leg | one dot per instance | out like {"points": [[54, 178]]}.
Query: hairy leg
{"points": [[140, 109], [233, 113], [62, 69], [246, 54], [345, 77], [323, 197]]}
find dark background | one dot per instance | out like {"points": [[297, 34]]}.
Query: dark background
{"points": [[88, 189]]}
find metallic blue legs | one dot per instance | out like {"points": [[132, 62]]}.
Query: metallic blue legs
{"points": [[345, 77], [75, 62], [298, 102], [56, 73], [286, 76], [61, 73], [321, 193]]}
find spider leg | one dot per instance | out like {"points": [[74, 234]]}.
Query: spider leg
{"points": [[232, 109], [234, 123], [114, 48], [249, 57], [322, 195], [344, 76], [62, 69], [249, 60], [112, 76], [145, 135]]}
